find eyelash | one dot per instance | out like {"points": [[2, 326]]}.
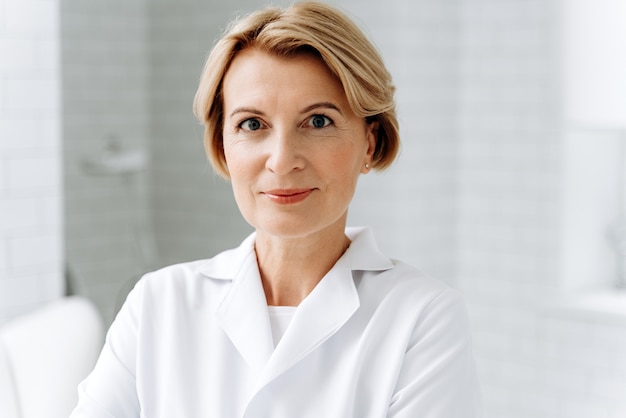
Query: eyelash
{"points": [[327, 120], [240, 126]]}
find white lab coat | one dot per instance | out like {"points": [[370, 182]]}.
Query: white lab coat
{"points": [[375, 338]]}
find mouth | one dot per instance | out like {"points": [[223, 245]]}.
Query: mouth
{"points": [[287, 196]]}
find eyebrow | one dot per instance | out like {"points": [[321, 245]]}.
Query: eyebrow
{"points": [[246, 110], [320, 105]]}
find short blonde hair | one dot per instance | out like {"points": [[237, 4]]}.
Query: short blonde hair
{"points": [[312, 27]]}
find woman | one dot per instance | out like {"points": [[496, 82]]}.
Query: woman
{"points": [[305, 318]]}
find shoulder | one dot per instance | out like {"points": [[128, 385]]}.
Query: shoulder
{"points": [[410, 294], [403, 281], [383, 280], [192, 276], [176, 276]]}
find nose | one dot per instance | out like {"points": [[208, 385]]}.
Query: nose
{"points": [[284, 153]]}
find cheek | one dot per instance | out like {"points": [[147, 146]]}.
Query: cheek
{"points": [[243, 169], [230, 162], [235, 158], [240, 182], [347, 160], [235, 167], [342, 168]]}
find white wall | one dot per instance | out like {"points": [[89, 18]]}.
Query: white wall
{"points": [[105, 80], [31, 235], [594, 62], [517, 184]]}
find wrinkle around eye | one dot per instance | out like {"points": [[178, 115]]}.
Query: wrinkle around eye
{"points": [[327, 121]]}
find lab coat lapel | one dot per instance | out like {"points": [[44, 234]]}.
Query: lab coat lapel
{"points": [[328, 307], [244, 317], [324, 311]]}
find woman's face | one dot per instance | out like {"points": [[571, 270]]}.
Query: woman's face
{"points": [[293, 146]]}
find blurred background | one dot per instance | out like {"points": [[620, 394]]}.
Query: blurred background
{"points": [[509, 186]]}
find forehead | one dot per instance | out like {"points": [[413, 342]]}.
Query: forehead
{"points": [[256, 74]]}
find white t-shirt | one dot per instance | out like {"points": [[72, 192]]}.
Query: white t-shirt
{"points": [[280, 317]]}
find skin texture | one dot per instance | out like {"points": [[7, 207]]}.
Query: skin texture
{"points": [[294, 150]]}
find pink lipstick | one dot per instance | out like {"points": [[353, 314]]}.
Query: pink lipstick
{"points": [[287, 196]]}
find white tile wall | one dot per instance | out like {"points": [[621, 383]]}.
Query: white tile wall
{"points": [[105, 82], [592, 195], [582, 365], [31, 235], [511, 246]]}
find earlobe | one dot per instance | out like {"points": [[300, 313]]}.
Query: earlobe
{"points": [[372, 140]]}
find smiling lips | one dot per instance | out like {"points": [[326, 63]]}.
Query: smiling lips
{"points": [[287, 196]]}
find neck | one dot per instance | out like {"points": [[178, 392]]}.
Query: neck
{"points": [[291, 267]]}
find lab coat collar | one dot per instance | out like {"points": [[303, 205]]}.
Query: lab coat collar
{"points": [[363, 254], [227, 264], [363, 251], [243, 312]]}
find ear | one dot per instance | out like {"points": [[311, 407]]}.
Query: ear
{"points": [[372, 140]]}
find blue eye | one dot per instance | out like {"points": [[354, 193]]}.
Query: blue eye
{"points": [[319, 121], [252, 124]]}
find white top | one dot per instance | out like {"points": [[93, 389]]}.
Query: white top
{"points": [[375, 338], [280, 317]]}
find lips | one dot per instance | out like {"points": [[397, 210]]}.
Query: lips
{"points": [[287, 196]]}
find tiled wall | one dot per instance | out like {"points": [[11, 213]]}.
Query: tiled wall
{"points": [[31, 236], [513, 170], [583, 367], [105, 81]]}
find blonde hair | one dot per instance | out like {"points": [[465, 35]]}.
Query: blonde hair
{"points": [[312, 27]]}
